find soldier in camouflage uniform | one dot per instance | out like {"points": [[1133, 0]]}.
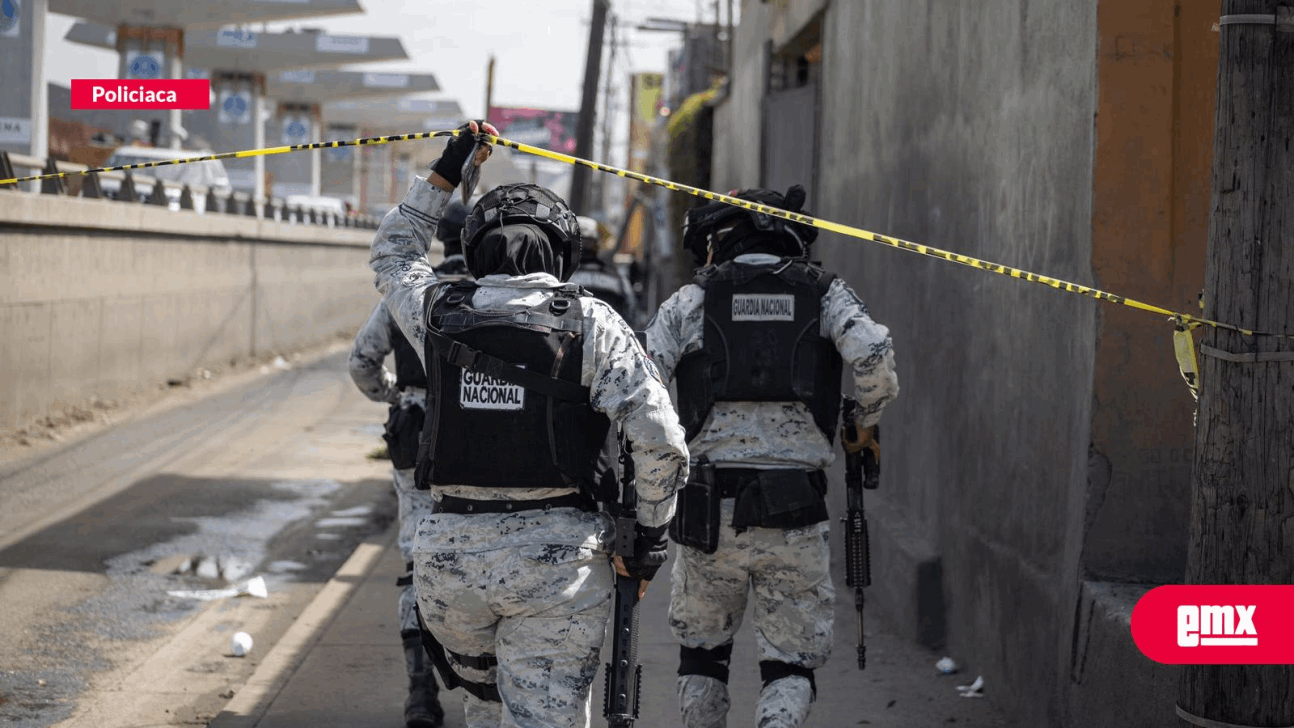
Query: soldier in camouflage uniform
{"points": [[512, 572], [756, 343], [406, 391], [599, 275]]}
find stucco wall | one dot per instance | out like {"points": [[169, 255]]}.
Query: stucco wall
{"points": [[97, 297], [970, 128], [1037, 461]]}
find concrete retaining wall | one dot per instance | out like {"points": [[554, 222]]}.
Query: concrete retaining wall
{"points": [[99, 297]]}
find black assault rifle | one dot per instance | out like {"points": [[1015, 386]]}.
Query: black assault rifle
{"points": [[624, 674], [862, 470]]}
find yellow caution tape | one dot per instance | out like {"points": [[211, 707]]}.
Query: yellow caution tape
{"points": [[1187, 362], [238, 155], [853, 232]]}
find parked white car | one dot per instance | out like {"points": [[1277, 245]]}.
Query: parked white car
{"points": [[198, 175]]}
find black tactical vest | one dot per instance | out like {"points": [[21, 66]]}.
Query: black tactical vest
{"points": [[761, 343], [604, 284], [408, 370], [506, 406]]}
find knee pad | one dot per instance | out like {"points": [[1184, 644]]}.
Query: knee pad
{"points": [[407, 579], [710, 663], [770, 670]]}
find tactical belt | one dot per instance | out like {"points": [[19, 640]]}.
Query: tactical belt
{"points": [[452, 504], [732, 480]]}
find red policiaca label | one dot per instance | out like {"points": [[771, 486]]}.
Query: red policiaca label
{"points": [[1241, 624], [155, 93]]}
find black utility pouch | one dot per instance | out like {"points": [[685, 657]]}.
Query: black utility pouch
{"points": [[696, 515], [781, 499], [403, 430]]}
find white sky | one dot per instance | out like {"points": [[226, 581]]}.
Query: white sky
{"points": [[539, 48]]}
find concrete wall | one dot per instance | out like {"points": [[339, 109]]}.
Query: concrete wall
{"points": [[98, 297], [970, 128], [1038, 456]]}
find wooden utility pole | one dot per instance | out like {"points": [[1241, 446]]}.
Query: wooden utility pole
{"points": [[588, 108], [1242, 511], [599, 189], [489, 87]]}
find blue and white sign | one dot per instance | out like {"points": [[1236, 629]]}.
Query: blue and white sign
{"points": [[235, 106], [10, 17], [299, 76], [296, 130], [235, 38], [341, 44], [144, 64], [386, 80], [14, 130]]}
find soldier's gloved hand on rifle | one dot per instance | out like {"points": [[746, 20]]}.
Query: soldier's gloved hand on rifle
{"points": [[651, 549], [865, 440], [450, 165]]}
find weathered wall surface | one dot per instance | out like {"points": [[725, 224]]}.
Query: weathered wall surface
{"points": [[1037, 461], [969, 127], [1157, 67], [97, 296]]}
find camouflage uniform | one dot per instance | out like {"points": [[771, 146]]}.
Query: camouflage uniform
{"points": [[372, 345], [532, 588], [788, 570]]}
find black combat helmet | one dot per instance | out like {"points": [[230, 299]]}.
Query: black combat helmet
{"points": [[497, 235], [729, 231], [450, 229]]}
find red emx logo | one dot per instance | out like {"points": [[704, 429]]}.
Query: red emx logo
{"points": [[1242, 624]]}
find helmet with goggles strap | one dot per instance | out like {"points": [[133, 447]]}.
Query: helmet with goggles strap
{"points": [[718, 231], [525, 204]]}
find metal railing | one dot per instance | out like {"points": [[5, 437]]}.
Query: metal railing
{"points": [[201, 199]]}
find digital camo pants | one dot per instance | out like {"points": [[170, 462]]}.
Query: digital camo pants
{"points": [[788, 572], [539, 605], [413, 505]]}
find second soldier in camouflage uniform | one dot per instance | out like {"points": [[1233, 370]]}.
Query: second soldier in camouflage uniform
{"points": [[512, 571], [406, 391], [756, 344]]}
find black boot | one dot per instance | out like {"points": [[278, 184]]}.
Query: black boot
{"points": [[421, 708]]}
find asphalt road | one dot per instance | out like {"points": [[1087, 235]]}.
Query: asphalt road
{"points": [[266, 477]]}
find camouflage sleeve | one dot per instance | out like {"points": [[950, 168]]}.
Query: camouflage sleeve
{"points": [[399, 256], [625, 386], [865, 346], [676, 329], [372, 344]]}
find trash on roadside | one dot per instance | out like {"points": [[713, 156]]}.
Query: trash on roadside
{"points": [[946, 666], [254, 587], [241, 644], [281, 363], [974, 690], [228, 567]]}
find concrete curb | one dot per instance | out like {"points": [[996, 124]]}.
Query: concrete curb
{"points": [[253, 700]]}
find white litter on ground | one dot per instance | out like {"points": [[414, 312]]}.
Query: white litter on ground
{"points": [[254, 587], [974, 690]]}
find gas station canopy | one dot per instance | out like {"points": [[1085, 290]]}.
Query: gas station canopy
{"points": [[395, 115], [311, 86], [208, 14], [242, 50]]}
